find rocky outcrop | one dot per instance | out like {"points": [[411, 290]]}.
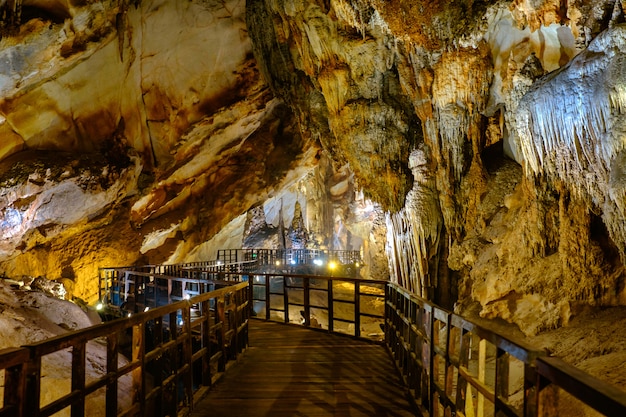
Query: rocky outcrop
{"points": [[28, 315]]}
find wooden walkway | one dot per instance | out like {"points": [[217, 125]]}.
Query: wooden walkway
{"points": [[292, 371]]}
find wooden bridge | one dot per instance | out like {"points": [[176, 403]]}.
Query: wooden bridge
{"points": [[211, 348], [292, 371]]}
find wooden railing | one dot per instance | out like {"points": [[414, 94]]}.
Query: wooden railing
{"points": [[137, 288], [338, 304], [174, 353], [453, 366]]}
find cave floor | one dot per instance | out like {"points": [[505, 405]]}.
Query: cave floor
{"points": [[293, 371]]}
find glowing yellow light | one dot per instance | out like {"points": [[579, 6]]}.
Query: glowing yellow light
{"points": [[277, 263], [99, 306], [356, 264], [332, 264]]}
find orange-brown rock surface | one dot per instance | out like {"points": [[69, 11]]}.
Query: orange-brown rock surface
{"points": [[473, 151]]}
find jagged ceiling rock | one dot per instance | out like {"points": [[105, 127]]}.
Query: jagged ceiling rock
{"points": [[307, 53], [464, 69]]}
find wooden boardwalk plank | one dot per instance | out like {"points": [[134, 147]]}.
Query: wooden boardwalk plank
{"points": [[292, 371]]}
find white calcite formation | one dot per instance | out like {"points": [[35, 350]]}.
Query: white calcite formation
{"points": [[571, 127]]}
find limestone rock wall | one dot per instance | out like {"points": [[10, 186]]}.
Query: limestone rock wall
{"points": [[515, 202], [473, 151], [131, 131], [142, 132]]}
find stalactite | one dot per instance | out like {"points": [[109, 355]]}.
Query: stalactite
{"points": [[571, 125]]}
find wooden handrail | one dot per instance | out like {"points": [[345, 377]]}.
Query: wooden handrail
{"points": [[443, 356], [219, 332]]}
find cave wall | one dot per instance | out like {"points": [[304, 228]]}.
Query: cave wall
{"points": [[136, 132], [473, 151], [131, 132], [491, 133]]}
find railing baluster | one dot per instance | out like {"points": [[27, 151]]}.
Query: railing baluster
{"points": [[502, 376], [267, 297], [331, 307], [78, 378], [15, 394], [112, 385], [285, 299], [357, 308], [307, 301], [139, 374], [187, 380]]}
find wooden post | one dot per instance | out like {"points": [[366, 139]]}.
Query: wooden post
{"points": [[502, 376], [547, 398], [138, 355], [482, 356], [187, 377], [285, 299], [111, 389], [222, 319], [307, 302], [15, 383], [462, 385], [206, 343], [331, 319], [268, 296], [357, 309], [78, 378]]}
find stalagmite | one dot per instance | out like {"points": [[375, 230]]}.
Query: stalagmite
{"points": [[414, 232]]}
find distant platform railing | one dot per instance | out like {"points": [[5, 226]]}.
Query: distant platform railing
{"points": [[298, 261], [135, 288], [345, 305]]}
